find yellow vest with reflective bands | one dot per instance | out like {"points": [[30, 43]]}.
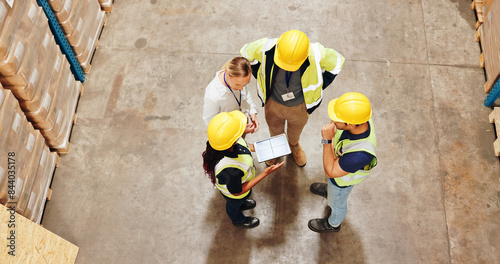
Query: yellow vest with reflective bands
{"points": [[243, 162], [320, 59], [368, 145]]}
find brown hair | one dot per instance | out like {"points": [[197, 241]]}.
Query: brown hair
{"points": [[238, 67]]}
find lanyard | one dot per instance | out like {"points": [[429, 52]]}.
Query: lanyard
{"points": [[239, 102], [288, 76]]}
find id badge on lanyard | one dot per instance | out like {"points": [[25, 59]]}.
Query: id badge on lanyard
{"points": [[288, 96]]}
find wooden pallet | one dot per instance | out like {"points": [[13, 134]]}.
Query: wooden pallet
{"points": [[477, 5], [495, 119], [107, 5], [34, 244]]}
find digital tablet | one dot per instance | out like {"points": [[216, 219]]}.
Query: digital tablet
{"points": [[272, 148]]}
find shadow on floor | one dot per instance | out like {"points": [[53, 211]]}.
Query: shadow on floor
{"points": [[229, 244], [232, 244], [342, 247], [283, 191]]}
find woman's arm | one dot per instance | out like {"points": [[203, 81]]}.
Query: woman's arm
{"points": [[249, 185]]}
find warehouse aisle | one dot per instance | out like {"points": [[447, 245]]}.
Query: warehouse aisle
{"points": [[132, 188]]}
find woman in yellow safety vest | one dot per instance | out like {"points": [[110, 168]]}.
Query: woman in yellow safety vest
{"points": [[228, 163]]}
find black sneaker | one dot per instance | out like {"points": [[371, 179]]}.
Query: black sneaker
{"points": [[249, 204], [250, 222], [319, 189], [321, 225]]}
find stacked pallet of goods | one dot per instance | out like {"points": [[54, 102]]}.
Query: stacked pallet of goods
{"points": [[81, 22], [488, 34], [38, 98], [27, 162], [34, 69]]}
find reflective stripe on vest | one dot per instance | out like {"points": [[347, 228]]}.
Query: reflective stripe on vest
{"points": [[313, 93], [243, 162], [368, 145]]}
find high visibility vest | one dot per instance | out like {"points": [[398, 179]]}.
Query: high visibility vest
{"points": [[368, 145], [320, 59], [243, 162]]}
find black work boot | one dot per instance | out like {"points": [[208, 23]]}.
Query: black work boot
{"points": [[249, 204], [321, 225], [250, 222], [319, 189]]}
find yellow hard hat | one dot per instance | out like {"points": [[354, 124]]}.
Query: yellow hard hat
{"points": [[351, 108], [225, 128], [292, 50]]}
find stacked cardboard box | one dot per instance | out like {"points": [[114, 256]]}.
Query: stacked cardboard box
{"points": [[34, 69], [82, 22], [27, 163]]}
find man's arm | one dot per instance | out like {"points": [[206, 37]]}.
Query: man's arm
{"points": [[331, 62], [330, 161]]}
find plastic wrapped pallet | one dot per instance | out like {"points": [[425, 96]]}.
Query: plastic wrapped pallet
{"points": [[40, 33], [27, 172], [43, 178], [18, 136], [31, 95], [39, 114], [81, 25], [71, 21], [64, 11], [490, 42], [10, 17], [85, 56], [58, 137], [7, 112], [12, 62], [58, 5]]}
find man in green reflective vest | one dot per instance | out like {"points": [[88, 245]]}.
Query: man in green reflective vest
{"points": [[291, 75], [349, 155]]}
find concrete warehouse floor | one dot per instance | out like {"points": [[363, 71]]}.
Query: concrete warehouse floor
{"points": [[132, 188]]}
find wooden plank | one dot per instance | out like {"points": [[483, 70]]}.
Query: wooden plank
{"points": [[477, 36], [107, 5], [477, 5], [494, 117], [33, 243], [49, 194]]}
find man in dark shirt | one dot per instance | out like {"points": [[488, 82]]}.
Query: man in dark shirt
{"points": [[349, 145]]}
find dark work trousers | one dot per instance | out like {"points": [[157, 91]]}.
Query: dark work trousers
{"points": [[233, 208]]}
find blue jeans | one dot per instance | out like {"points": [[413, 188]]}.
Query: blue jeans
{"points": [[337, 200], [233, 208]]}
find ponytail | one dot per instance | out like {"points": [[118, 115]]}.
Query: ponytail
{"points": [[210, 158]]}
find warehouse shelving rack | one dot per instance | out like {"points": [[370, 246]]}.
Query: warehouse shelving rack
{"points": [[493, 94], [62, 41]]}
